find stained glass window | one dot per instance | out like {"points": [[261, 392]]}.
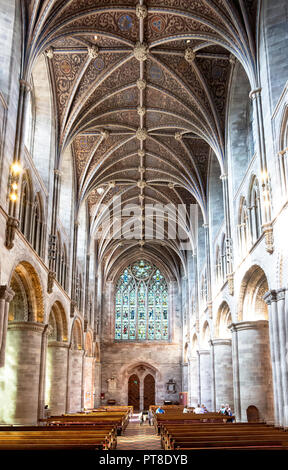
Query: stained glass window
{"points": [[141, 304]]}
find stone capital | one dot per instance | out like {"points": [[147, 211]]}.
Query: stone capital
{"points": [[220, 342], [27, 325], [25, 85], [254, 93], [6, 293], [248, 325], [50, 53]]}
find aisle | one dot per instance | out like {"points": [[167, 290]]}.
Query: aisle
{"points": [[138, 437]]}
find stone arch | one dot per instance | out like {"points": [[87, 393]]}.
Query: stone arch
{"points": [[251, 305], [28, 294], [77, 335], [186, 353], [205, 336], [223, 320], [89, 344], [58, 322]]}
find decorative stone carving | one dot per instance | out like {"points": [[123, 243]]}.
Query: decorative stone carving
{"points": [[141, 110], [141, 153], [141, 11], [269, 239], [141, 169], [73, 307], [12, 225], [104, 133], [50, 53], [189, 55], [230, 280], [93, 51], [171, 185], [232, 59], [178, 136], [141, 84], [141, 134], [141, 51], [50, 283], [141, 184], [141, 243]]}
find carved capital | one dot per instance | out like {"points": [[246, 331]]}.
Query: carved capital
{"points": [[25, 85], [255, 93], [141, 11], [178, 136], [141, 51], [12, 225], [6, 293], [141, 134], [93, 51]]}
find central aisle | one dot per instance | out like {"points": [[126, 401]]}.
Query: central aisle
{"points": [[138, 437]]}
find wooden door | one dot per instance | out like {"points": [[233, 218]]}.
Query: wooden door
{"points": [[134, 392], [253, 414], [149, 391]]}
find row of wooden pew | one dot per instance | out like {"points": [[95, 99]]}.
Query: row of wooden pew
{"points": [[97, 430], [182, 432], [178, 417]]}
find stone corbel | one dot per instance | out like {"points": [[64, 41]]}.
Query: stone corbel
{"points": [[6, 295], [269, 238], [230, 280], [12, 225], [50, 283], [73, 307]]}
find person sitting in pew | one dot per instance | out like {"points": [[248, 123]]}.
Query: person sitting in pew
{"points": [[198, 410], [160, 410]]}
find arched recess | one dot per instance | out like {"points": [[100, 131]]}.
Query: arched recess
{"points": [[253, 346], [42, 127], [222, 359], [223, 320], [240, 126], [20, 399], [89, 372], [251, 306], [56, 362], [76, 363], [134, 392], [149, 391]]}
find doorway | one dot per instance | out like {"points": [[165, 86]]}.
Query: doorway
{"points": [[149, 391], [134, 392]]}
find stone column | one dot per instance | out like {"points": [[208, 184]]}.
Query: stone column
{"points": [[185, 377], [205, 378], [97, 385], [19, 395], [56, 377], [254, 382], [75, 379], [275, 300], [223, 372], [194, 381], [6, 295]]}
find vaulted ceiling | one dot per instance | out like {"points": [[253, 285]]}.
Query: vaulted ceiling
{"points": [[141, 92]]}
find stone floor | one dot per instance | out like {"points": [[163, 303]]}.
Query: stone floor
{"points": [[138, 437]]}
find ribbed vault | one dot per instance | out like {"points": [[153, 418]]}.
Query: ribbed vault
{"points": [[140, 93]]}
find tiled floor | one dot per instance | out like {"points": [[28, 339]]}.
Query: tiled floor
{"points": [[138, 437]]}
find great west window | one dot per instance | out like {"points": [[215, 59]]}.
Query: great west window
{"points": [[141, 304]]}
